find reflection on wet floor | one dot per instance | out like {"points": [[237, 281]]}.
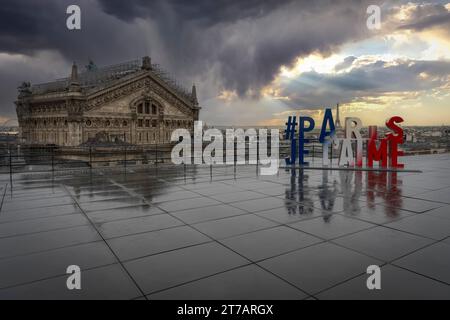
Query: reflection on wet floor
{"points": [[347, 192], [227, 232]]}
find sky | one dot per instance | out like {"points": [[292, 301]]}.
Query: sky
{"points": [[254, 62]]}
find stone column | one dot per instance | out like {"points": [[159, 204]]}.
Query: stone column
{"points": [[75, 118], [133, 124], [75, 132]]}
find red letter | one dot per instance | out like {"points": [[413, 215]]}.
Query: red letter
{"points": [[395, 139], [379, 154], [372, 152]]}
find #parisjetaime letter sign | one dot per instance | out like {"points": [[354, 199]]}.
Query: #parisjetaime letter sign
{"points": [[382, 150]]}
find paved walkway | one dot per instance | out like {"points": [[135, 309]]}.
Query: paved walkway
{"points": [[226, 234]]}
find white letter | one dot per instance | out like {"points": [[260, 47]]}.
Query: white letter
{"points": [[374, 281], [325, 158], [334, 142], [183, 147], [215, 147], [73, 22], [274, 151], [198, 142], [252, 145], [346, 156], [229, 136], [74, 281], [374, 20], [241, 145], [353, 128]]}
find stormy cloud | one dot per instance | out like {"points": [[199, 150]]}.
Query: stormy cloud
{"points": [[369, 80], [424, 16], [234, 45], [245, 42]]}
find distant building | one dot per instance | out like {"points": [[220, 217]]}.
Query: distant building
{"points": [[133, 102], [340, 132], [338, 119], [432, 133]]}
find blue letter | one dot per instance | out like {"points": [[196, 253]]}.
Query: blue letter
{"points": [[328, 117], [290, 134], [302, 140]]}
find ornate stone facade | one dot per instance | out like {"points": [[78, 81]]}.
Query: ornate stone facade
{"points": [[132, 102]]}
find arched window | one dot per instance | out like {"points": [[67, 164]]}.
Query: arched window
{"points": [[145, 106]]}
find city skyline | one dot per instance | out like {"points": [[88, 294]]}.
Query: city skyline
{"points": [[254, 63]]}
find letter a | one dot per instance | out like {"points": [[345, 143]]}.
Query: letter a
{"points": [[374, 19], [374, 281], [327, 119], [74, 280], [73, 22]]}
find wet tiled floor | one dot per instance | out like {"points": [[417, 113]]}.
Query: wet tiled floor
{"points": [[227, 233]]}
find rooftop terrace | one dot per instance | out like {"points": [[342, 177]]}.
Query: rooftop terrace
{"points": [[225, 233]]}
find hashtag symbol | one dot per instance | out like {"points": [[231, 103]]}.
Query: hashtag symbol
{"points": [[289, 134], [290, 131]]}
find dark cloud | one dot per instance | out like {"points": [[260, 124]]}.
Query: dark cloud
{"points": [[312, 90], [222, 44], [425, 16], [204, 12], [36, 46], [429, 22], [27, 27], [247, 40], [348, 61]]}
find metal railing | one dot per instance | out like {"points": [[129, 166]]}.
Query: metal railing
{"points": [[17, 158]]}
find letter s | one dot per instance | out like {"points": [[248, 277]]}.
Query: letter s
{"points": [[397, 131]]}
